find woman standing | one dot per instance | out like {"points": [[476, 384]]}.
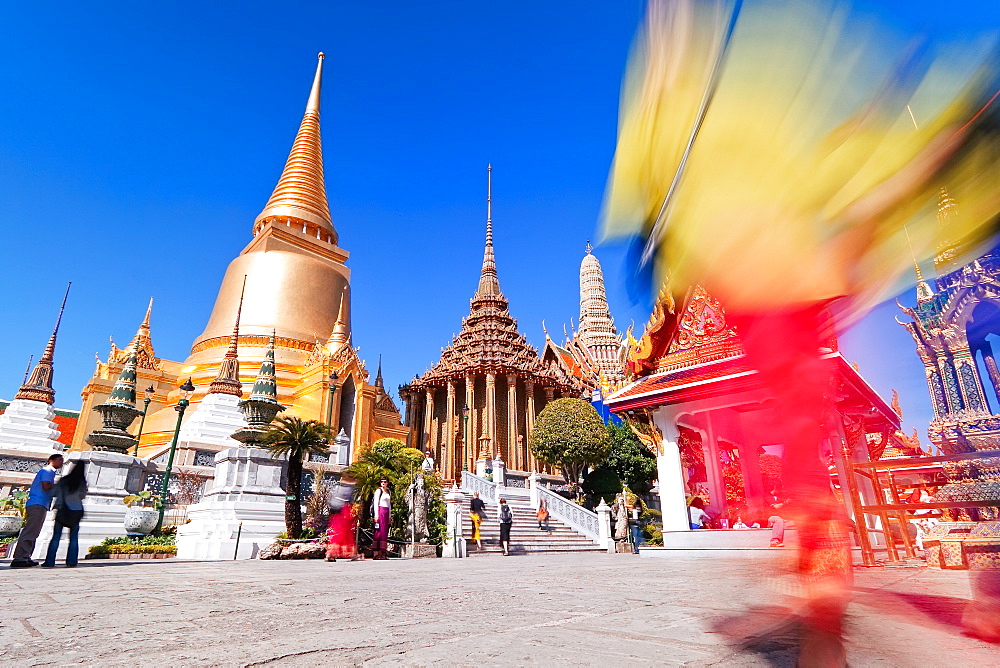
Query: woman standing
{"points": [[477, 511], [506, 520], [340, 540], [382, 512], [69, 494]]}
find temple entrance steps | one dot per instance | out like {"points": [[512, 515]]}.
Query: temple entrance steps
{"points": [[525, 536]]}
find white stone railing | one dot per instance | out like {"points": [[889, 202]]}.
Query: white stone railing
{"points": [[576, 516], [472, 483]]}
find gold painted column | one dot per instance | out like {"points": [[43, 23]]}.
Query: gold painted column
{"points": [[529, 422], [513, 452], [491, 411], [446, 459], [428, 418], [469, 438]]}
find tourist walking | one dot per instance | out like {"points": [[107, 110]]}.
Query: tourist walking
{"points": [[340, 536], [776, 522], [69, 494], [39, 500], [477, 511], [382, 512], [542, 514], [506, 517], [633, 523]]}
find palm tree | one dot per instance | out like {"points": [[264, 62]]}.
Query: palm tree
{"points": [[297, 439]]}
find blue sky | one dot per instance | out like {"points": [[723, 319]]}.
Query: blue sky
{"points": [[138, 141]]}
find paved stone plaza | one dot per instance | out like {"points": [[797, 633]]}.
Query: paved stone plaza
{"points": [[586, 609]]}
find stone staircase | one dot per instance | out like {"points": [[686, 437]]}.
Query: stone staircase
{"points": [[525, 536]]}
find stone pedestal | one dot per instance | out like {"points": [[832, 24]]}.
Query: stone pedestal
{"points": [[110, 478], [247, 490], [533, 482], [454, 541], [418, 551]]}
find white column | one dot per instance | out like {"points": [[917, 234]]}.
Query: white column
{"points": [[670, 475], [604, 526], [533, 489], [454, 542]]}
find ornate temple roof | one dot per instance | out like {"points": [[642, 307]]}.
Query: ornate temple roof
{"points": [[38, 387], [489, 341], [301, 191]]}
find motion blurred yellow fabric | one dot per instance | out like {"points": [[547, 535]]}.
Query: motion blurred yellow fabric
{"points": [[808, 174]]}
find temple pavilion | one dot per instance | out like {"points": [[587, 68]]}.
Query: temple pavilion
{"points": [[480, 399], [291, 282], [697, 405]]}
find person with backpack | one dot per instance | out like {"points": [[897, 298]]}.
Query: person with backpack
{"points": [[506, 517], [69, 494]]}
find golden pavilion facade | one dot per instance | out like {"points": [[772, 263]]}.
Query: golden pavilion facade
{"points": [[480, 400], [290, 281]]}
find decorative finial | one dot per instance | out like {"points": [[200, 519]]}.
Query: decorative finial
{"points": [[27, 369], [340, 334], [320, 55], [38, 387], [590, 248], [489, 284], [227, 381]]}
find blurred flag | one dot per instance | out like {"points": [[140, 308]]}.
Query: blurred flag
{"points": [[766, 152]]}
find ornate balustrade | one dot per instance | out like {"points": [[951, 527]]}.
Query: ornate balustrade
{"points": [[473, 483], [577, 517]]}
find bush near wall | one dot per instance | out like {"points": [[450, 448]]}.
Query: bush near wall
{"points": [[144, 545]]}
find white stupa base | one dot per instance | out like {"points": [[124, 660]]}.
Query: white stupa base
{"points": [[29, 426], [215, 525], [246, 489], [211, 425]]}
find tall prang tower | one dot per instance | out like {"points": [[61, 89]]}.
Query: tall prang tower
{"points": [[594, 353]]}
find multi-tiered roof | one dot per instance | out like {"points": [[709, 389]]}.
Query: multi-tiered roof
{"points": [[489, 341]]}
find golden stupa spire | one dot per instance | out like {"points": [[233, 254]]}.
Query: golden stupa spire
{"points": [[489, 283], [341, 333], [228, 379], [301, 191]]}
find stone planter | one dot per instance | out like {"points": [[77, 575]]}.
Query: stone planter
{"points": [[10, 524], [140, 521]]}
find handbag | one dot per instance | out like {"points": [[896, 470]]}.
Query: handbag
{"points": [[68, 517]]}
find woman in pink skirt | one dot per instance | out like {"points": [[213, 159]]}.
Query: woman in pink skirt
{"points": [[381, 511]]}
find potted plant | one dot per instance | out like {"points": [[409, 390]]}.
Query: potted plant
{"points": [[142, 514], [12, 513]]}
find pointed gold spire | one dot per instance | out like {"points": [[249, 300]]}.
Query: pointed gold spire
{"points": [[39, 386], [301, 190], [228, 379], [489, 283], [341, 333]]}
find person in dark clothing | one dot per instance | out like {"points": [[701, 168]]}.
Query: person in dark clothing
{"points": [[69, 494], [506, 517]]}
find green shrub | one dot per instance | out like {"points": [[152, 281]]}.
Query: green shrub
{"points": [[307, 534], [122, 545]]}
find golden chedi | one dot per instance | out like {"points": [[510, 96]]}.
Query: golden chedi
{"points": [[295, 286]]}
